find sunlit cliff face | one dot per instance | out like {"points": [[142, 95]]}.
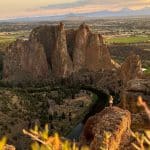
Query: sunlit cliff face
{"points": [[17, 8]]}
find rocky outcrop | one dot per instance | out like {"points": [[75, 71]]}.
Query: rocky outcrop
{"points": [[135, 88], [24, 60], [56, 51], [131, 68], [111, 122], [129, 96]]}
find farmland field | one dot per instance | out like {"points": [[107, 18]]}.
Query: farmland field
{"points": [[7, 37], [127, 39]]}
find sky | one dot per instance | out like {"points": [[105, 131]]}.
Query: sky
{"points": [[27, 8]]}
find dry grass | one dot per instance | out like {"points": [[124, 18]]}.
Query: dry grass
{"points": [[45, 142], [142, 139]]}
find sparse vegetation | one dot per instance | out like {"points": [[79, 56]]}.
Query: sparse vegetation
{"points": [[44, 141], [142, 140], [147, 71], [8, 37]]}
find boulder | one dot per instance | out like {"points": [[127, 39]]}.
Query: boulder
{"points": [[107, 129]]}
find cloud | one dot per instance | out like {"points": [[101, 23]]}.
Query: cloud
{"points": [[66, 5], [60, 7], [84, 6], [107, 4]]}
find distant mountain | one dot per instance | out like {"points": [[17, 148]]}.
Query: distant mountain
{"points": [[123, 12], [83, 16]]}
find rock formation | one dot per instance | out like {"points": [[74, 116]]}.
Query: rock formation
{"points": [[113, 121], [135, 88], [24, 60], [52, 50], [131, 68], [88, 50]]}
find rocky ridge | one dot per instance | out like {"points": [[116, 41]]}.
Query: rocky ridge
{"points": [[129, 96]]}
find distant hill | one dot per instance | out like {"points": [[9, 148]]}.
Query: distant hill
{"points": [[83, 16], [123, 12]]}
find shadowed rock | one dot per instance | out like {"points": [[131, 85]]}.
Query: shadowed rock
{"points": [[129, 96], [89, 51], [135, 88], [131, 68]]}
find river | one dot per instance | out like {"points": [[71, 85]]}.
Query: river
{"points": [[100, 102]]}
